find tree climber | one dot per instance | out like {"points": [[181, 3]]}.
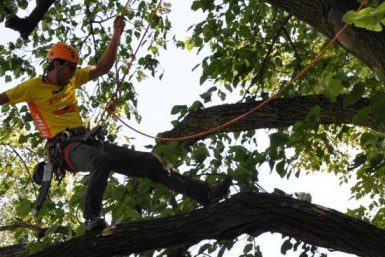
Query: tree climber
{"points": [[52, 102]]}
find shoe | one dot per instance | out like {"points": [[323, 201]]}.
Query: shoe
{"points": [[218, 191], [96, 224]]}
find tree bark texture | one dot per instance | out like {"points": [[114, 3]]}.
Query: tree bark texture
{"points": [[244, 213], [282, 112], [326, 17]]}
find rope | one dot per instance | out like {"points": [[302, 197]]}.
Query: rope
{"points": [[110, 108], [257, 107]]}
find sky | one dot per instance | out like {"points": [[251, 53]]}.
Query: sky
{"points": [[180, 85]]}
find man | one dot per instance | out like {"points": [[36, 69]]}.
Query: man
{"points": [[53, 105]]}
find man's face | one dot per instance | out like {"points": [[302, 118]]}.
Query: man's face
{"points": [[64, 73]]}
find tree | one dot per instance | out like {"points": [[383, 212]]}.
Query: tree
{"points": [[255, 48]]}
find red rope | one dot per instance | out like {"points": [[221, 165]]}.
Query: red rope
{"points": [[259, 106]]}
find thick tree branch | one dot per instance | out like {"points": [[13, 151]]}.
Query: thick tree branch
{"points": [[283, 112], [326, 17], [14, 251], [26, 25], [40, 231], [249, 213]]}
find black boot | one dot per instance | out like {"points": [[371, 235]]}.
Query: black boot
{"points": [[95, 224]]}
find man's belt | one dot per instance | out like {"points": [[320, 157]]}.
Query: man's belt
{"points": [[68, 134], [79, 134]]}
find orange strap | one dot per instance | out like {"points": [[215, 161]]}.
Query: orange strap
{"points": [[67, 156]]}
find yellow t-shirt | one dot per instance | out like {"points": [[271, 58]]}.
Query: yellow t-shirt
{"points": [[53, 108]]}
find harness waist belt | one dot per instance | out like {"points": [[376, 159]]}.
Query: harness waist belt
{"points": [[68, 133]]}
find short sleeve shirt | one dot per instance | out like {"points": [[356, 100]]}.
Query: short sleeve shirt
{"points": [[53, 108]]}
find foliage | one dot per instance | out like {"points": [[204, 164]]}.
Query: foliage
{"points": [[372, 18], [254, 50]]}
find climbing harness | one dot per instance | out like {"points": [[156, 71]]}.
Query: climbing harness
{"points": [[111, 111], [58, 161]]}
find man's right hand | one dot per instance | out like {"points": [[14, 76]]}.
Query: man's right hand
{"points": [[119, 25]]}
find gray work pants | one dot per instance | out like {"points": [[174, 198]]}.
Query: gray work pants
{"points": [[113, 158]]}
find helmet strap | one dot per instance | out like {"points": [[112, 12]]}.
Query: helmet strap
{"points": [[45, 76], [58, 78]]}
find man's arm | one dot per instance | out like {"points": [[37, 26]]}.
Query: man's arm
{"points": [[108, 59], [3, 98]]}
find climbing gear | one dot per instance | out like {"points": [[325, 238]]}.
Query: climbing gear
{"points": [[63, 143], [48, 171], [58, 158], [50, 168], [64, 52], [95, 224], [38, 173]]}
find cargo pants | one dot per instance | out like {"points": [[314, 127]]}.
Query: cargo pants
{"points": [[100, 161]]}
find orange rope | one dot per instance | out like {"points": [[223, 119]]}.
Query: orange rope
{"points": [[259, 106]]}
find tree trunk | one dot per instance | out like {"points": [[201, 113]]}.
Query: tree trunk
{"points": [[283, 112], [250, 213], [326, 17]]}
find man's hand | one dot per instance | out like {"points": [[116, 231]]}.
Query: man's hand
{"points": [[107, 61], [119, 25]]}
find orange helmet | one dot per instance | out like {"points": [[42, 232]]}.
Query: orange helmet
{"points": [[64, 52]]}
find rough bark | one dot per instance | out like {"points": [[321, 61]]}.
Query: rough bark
{"points": [[280, 113], [26, 25], [326, 17], [249, 213], [14, 251]]}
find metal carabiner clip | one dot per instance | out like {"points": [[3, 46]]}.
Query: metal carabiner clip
{"points": [[65, 136]]}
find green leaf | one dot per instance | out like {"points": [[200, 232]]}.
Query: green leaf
{"points": [[188, 44], [197, 105], [221, 251], [35, 247], [368, 139], [280, 168], [5, 108], [248, 248], [287, 245], [23, 208], [200, 153], [314, 115], [278, 139], [368, 18], [333, 88], [178, 108], [354, 95], [204, 248], [361, 114]]}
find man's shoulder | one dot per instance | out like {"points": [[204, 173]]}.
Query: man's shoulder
{"points": [[33, 81]]}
